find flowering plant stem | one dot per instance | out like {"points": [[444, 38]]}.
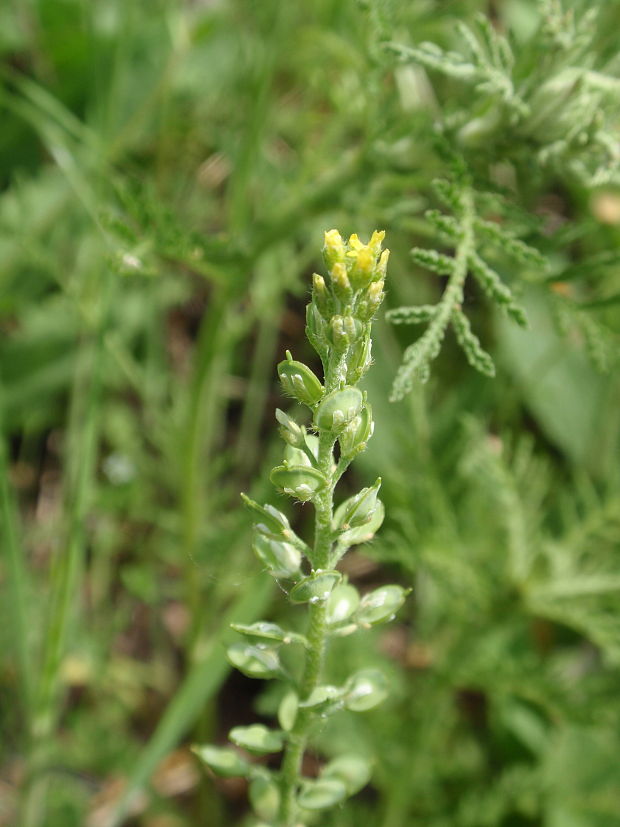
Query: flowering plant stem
{"points": [[338, 326], [317, 631]]}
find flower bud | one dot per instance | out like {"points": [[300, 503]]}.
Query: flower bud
{"points": [[299, 481], [338, 408], [290, 431], [299, 382], [362, 269], [356, 434], [369, 305], [340, 282], [382, 265], [333, 249], [359, 360], [316, 328], [344, 331], [320, 296]]}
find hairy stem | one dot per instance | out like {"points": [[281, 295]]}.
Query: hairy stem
{"points": [[317, 633]]}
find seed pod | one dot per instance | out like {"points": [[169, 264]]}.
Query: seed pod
{"points": [[273, 522], [338, 408], [360, 509], [223, 760], [357, 433], [343, 601], [315, 588], [299, 382], [298, 481], [366, 689], [290, 431], [380, 605], [281, 559]]}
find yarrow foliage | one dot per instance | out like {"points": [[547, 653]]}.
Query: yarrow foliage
{"points": [[339, 319], [467, 232]]}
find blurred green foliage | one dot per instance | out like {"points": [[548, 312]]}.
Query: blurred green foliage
{"points": [[167, 171]]}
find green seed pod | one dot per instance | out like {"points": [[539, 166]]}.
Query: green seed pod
{"points": [[299, 382], [270, 633], [360, 509], [380, 605], [256, 738], [342, 602], [365, 690], [273, 522], [290, 431], [281, 559], [316, 588], [321, 794], [357, 433], [255, 661], [338, 409], [223, 760], [264, 795], [298, 481]]}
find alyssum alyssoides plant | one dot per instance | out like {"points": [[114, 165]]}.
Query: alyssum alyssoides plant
{"points": [[339, 320]]}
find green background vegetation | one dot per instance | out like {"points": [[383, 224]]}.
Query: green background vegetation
{"points": [[167, 170]]}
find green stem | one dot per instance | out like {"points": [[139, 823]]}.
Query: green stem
{"points": [[317, 631]]}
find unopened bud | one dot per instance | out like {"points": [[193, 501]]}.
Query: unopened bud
{"points": [[333, 248], [382, 265], [359, 359], [345, 331], [290, 431], [320, 295], [362, 269], [340, 282], [370, 304]]}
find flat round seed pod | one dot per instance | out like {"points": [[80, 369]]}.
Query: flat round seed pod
{"points": [[300, 382], [315, 588], [298, 481], [338, 409]]}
